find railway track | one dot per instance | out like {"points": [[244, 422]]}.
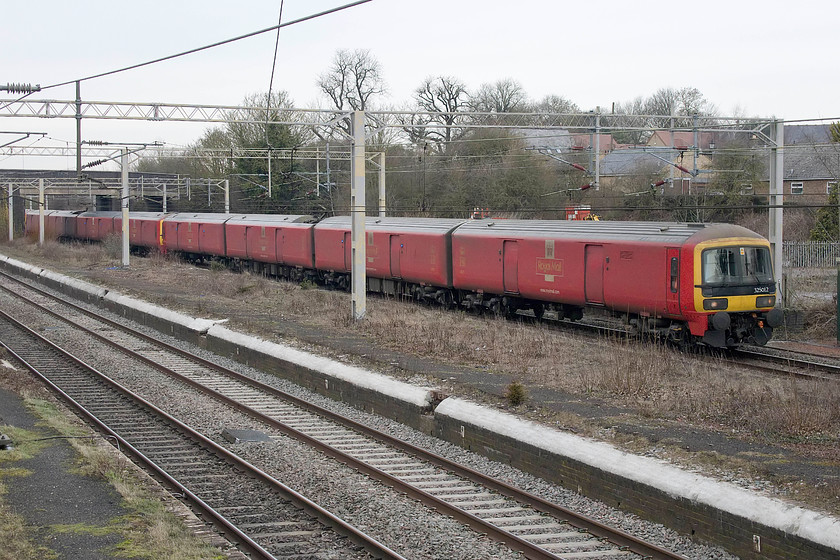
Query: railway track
{"points": [[785, 362], [522, 521], [263, 517]]}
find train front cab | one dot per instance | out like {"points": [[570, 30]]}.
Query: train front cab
{"points": [[734, 292]]}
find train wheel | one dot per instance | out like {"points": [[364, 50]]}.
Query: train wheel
{"points": [[539, 310], [444, 298], [495, 307]]}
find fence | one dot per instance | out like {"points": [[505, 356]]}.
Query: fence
{"points": [[810, 254]]}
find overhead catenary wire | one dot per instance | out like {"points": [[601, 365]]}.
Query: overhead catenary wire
{"points": [[209, 46], [273, 67], [194, 50]]}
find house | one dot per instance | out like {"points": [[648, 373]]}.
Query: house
{"points": [[811, 165]]}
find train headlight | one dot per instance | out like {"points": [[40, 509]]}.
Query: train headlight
{"points": [[715, 304], [765, 301]]}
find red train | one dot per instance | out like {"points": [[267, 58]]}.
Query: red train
{"points": [[711, 284]]}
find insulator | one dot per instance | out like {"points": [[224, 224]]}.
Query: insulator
{"points": [[21, 88], [94, 163]]}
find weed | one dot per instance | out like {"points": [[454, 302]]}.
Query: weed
{"points": [[112, 245], [515, 393], [308, 284], [217, 266]]}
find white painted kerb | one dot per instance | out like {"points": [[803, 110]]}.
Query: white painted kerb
{"points": [[810, 525]]}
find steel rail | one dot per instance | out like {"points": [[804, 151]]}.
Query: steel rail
{"points": [[328, 519], [615, 536], [809, 368]]}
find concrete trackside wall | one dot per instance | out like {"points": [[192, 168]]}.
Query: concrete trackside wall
{"points": [[78, 289], [746, 524]]}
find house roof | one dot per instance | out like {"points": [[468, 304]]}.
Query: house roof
{"points": [[682, 139], [564, 140], [607, 142], [628, 162], [812, 162], [543, 138], [807, 134]]}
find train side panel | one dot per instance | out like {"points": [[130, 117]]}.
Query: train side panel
{"points": [[169, 229], [477, 262], [261, 238], [65, 224], [621, 266], [414, 250], [296, 245], [634, 277], [333, 246], [51, 226], [202, 234], [237, 241], [96, 226], [31, 219], [144, 228], [211, 236]]}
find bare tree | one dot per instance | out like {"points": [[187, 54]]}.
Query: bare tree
{"points": [[683, 102], [445, 95], [353, 79], [627, 115], [504, 96], [555, 104]]}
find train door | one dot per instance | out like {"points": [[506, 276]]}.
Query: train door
{"points": [[593, 282], [246, 242], [279, 245], [348, 251], [672, 294], [510, 266], [396, 251]]}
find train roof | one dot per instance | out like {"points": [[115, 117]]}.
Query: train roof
{"points": [[269, 219], [406, 224], [146, 215], [655, 232], [206, 217], [52, 212], [103, 214]]}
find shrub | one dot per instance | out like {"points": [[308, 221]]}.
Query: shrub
{"points": [[515, 393]]}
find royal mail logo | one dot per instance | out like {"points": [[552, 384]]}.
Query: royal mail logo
{"points": [[553, 267]]}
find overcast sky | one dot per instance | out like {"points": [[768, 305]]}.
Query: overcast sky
{"points": [[750, 58]]}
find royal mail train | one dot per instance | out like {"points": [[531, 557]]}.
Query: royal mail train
{"points": [[691, 283]]}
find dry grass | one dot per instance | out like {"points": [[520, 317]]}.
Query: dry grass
{"points": [[813, 292]]}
